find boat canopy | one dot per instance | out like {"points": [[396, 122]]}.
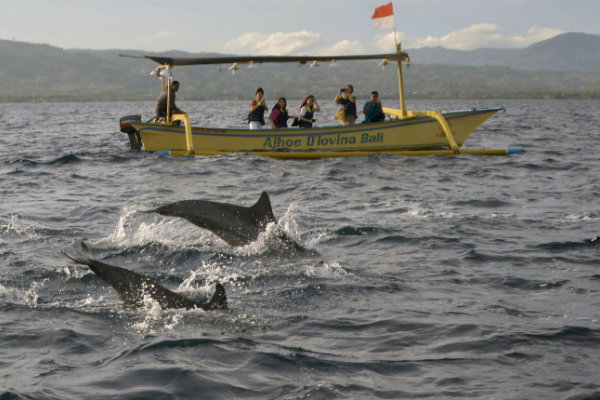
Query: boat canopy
{"points": [[173, 61]]}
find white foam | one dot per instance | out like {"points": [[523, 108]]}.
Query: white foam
{"points": [[26, 296], [15, 225], [316, 237], [417, 211], [30, 296], [4, 292], [326, 270], [91, 301], [262, 243], [136, 228], [288, 221], [76, 272], [212, 273], [156, 319], [584, 216]]}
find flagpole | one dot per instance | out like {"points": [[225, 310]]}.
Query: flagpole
{"points": [[384, 17], [400, 78]]}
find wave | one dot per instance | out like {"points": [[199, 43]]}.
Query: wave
{"points": [[357, 231], [62, 160], [490, 203], [280, 370], [528, 284], [504, 343], [565, 246], [22, 162]]}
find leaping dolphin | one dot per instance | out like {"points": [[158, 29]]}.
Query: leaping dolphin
{"points": [[236, 225], [132, 287]]}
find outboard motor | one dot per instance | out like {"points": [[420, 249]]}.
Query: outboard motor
{"points": [[135, 140]]}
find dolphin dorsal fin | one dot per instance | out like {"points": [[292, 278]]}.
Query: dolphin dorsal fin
{"points": [[263, 206], [218, 300]]}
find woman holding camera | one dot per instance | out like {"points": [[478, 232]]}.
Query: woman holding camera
{"points": [[348, 101]]}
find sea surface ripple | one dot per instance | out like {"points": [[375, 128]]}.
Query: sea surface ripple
{"points": [[436, 277]]}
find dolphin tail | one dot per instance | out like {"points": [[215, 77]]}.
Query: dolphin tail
{"points": [[263, 206], [83, 254], [218, 300]]}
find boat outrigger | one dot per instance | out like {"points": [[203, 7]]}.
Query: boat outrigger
{"points": [[402, 133]]}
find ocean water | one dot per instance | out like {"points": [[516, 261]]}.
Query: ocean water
{"points": [[436, 277]]}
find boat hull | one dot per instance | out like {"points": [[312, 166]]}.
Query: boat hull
{"points": [[418, 133]]}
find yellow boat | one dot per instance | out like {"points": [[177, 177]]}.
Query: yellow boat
{"points": [[403, 132]]}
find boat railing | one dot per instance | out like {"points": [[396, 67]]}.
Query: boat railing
{"points": [[189, 143], [431, 114]]}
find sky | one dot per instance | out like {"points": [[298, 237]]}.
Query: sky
{"points": [[291, 27]]}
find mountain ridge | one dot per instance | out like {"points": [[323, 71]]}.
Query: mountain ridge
{"points": [[567, 65], [573, 52]]}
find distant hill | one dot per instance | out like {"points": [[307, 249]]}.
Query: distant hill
{"points": [[565, 66], [574, 52]]}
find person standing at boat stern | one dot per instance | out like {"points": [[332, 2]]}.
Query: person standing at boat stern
{"points": [[160, 108], [256, 117], [373, 109], [348, 101], [307, 112]]}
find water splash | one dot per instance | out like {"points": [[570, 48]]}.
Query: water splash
{"points": [[155, 319], [15, 225], [325, 270], [137, 228]]}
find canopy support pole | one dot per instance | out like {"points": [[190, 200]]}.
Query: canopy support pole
{"points": [[169, 99], [400, 82]]}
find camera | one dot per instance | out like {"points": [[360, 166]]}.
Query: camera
{"points": [[342, 89]]}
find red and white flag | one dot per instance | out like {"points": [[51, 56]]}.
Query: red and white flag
{"points": [[383, 17]]}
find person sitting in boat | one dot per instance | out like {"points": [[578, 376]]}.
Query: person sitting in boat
{"points": [[161, 103], [307, 112], [346, 99], [279, 114], [373, 109], [256, 117]]}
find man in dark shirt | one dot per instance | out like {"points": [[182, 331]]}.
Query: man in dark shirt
{"points": [[373, 109], [161, 103]]}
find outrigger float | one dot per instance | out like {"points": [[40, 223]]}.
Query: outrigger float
{"points": [[402, 133]]}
